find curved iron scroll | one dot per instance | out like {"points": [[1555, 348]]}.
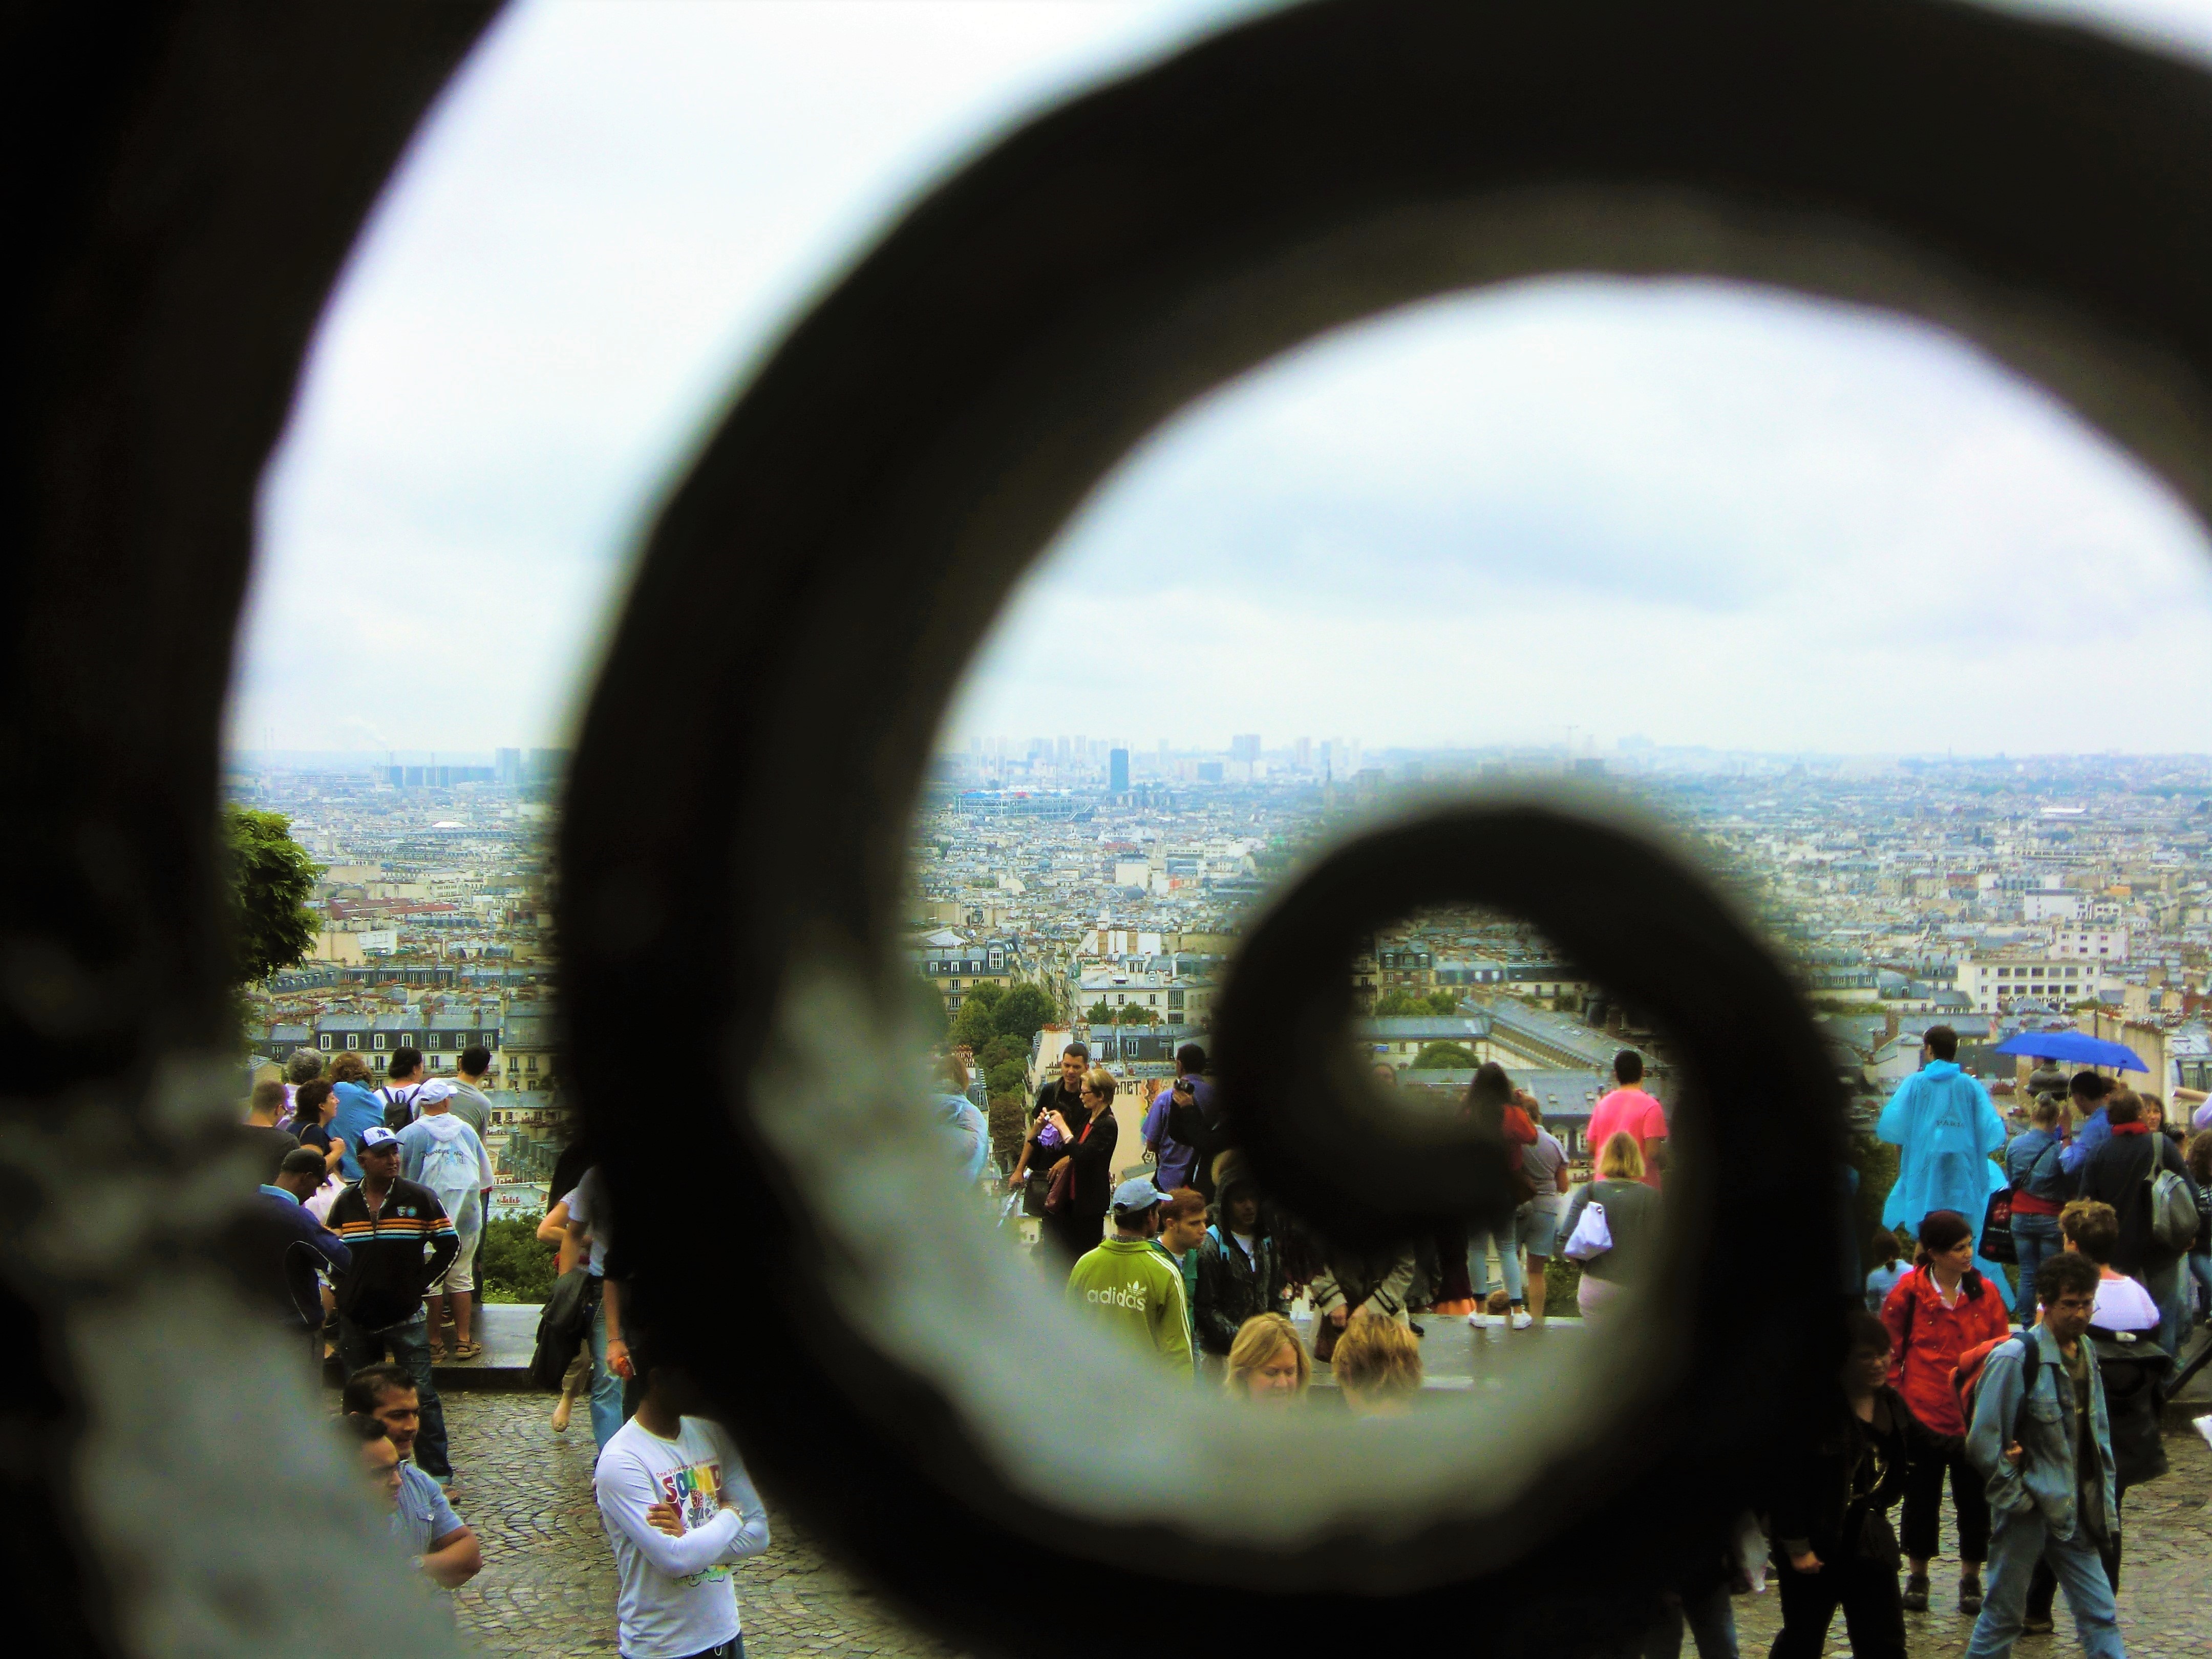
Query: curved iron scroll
{"points": [[753, 751]]}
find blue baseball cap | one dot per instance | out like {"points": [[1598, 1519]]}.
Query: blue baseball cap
{"points": [[1139, 1194]]}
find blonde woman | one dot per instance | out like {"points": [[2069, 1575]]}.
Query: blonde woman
{"points": [[1268, 1364], [1075, 1208], [1631, 1215], [1378, 1366]]}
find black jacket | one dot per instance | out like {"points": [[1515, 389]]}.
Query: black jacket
{"points": [[1834, 1497], [2135, 1372], [2117, 1174], [1233, 1286], [274, 1248], [1092, 1155], [398, 1254]]}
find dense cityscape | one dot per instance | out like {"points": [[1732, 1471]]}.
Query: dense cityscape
{"points": [[1988, 893]]}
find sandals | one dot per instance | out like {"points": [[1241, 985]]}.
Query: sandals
{"points": [[437, 1352], [470, 1349]]}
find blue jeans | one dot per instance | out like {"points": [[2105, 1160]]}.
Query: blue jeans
{"points": [[1507, 1239], [410, 1350], [2016, 1544], [2035, 1237], [2200, 1272], [606, 1387], [2169, 1287]]}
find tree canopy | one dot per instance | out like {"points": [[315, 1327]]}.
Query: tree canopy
{"points": [[1405, 1004], [270, 877], [1444, 1056]]}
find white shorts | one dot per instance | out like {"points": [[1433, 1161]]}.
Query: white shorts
{"points": [[462, 1275]]}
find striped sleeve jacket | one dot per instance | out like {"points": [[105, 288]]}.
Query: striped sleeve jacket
{"points": [[399, 1252]]}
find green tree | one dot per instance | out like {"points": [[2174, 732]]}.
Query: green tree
{"points": [[511, 1266], [1444, 1056], [1022, 1011], [1134, 1015], [270, 877], [1100, 1014], [1443, 1002], [977, 1023]]}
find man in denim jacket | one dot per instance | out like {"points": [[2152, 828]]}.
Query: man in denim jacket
{"points": [[2041, 1437]]}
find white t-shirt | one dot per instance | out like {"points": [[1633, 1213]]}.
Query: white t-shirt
{"points": [[1541, 1163], [677, 1596], [587, 1205], [2123, 1305]]}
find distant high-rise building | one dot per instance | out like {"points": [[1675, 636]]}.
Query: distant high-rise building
{"points": [[1062, 755], [1117, 771], [1245, 747], [508, 762], [1301, 754], [546, 766]]}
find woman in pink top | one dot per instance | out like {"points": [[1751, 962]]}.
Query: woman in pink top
{"points": [[1628, 1111]]}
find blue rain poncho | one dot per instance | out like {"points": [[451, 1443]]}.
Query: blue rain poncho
{"points": [[1947, 1128]]}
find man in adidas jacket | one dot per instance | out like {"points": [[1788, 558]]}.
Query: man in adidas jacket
{"points": [[1130, 1288]]}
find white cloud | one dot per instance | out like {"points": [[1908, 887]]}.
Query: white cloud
{"points": [[1743, 520]]}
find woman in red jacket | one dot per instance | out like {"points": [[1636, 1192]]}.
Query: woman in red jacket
{"points": [[1935, 1314]]}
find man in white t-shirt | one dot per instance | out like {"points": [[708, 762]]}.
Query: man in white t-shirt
{"points": [[680, 1513]]}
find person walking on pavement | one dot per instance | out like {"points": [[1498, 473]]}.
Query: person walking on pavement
{"points": [[441, 1546], [266, 1144], [358, 1109], [1936, 1312], [2122, 1334], [592, 1231], [1268, 1362], [1628, 1109], [1834, 1544], [2042, 1440], [403, 1081], [469, 1102], [2087, 1091], [680, 1513], [1083, 1174], [1945, 1129], [1042, 1145], [1240, 1271], [2040, 1187], [1183, 1226], [1127, 1287], [402, 1242], [2120, 1173], [274, 1248], [1632, 1212], [1186, 1104], [441, 1151], [1494, 1107], [1544, 1162]]}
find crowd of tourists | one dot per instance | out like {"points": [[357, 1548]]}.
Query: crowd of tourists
{"points": [[2034, 1404], [359, 1246]]}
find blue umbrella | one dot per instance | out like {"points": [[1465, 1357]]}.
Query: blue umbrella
{"points": [[2077, 1047]]}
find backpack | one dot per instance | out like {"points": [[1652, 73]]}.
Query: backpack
{"points": [[1966, 1374], [2172, 1209], [450, 1170], [399, 1108]]}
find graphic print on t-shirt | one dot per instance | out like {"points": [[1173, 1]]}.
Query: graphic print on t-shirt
{"points": [[695, 1490]]}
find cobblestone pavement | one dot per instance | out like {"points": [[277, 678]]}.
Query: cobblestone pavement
{"points": [[547, 1589]]}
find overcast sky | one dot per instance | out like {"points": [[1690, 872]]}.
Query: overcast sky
{"points": [[1691, 513]]}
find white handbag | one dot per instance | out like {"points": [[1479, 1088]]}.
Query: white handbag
{"points": [[1592, 1237]]}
